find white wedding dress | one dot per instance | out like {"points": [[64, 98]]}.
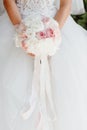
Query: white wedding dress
{"points": [[68, 72]]}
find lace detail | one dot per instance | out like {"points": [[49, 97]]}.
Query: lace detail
{"points": [[27, 7]]}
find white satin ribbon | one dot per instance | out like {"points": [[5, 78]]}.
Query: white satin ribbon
{"points": [[41, 94]]}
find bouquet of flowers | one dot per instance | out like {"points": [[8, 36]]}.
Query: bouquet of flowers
{"points": [[42, 38]]}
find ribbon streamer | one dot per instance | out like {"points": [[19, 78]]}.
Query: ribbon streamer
{"points": [[41, 94]]}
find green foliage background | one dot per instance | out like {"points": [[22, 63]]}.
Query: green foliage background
{"points": [[82, 19]]}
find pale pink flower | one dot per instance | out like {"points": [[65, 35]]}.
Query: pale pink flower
{"points": [[24, 36], [41, 35], [24, 45], [50, 33], [45, 19]]}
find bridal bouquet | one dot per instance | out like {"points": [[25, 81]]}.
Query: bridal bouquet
{"points": [[42, 38]]}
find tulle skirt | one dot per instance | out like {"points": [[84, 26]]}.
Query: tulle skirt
{"points": [[69, 78]]}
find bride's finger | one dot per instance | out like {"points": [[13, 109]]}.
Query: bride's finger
{"points": [[31, 54]]}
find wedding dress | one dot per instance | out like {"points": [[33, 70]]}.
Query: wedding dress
{"points": [[68, 73]]}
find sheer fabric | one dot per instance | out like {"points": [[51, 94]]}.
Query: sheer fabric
{"points": [[77, 6], [68, 69], [1, 7]]}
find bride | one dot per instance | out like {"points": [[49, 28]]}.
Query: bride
{"points": [[68, 69]]}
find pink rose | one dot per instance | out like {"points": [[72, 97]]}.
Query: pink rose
{"points": [[50, 33], [41, 35]]}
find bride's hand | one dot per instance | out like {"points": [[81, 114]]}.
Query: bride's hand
{"points": [[56, 20], [30, 54], [20, 28]]}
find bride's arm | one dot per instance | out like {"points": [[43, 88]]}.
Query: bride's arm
{"points": [[12, 11], [63, 12]]}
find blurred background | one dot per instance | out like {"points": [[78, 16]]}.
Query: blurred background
{"points": [[79, 11], [82, 18]]}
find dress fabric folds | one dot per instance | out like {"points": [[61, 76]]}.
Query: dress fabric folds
{"points": [[68, 69]]}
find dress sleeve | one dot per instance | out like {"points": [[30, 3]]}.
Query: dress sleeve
{"points": [[1, 7], [77, 7]]}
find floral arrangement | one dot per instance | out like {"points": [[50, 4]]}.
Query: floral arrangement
{"points": [[42, 35]]}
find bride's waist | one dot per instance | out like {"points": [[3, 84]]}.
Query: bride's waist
{"points": [[46, 11]]}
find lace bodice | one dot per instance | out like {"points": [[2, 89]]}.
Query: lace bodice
{"points": [[46, 7]]}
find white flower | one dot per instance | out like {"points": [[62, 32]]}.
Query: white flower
{"points": [[45, 45]]}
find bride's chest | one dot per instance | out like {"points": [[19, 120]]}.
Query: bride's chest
{"points": [[34, 3], [45, 7]]}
